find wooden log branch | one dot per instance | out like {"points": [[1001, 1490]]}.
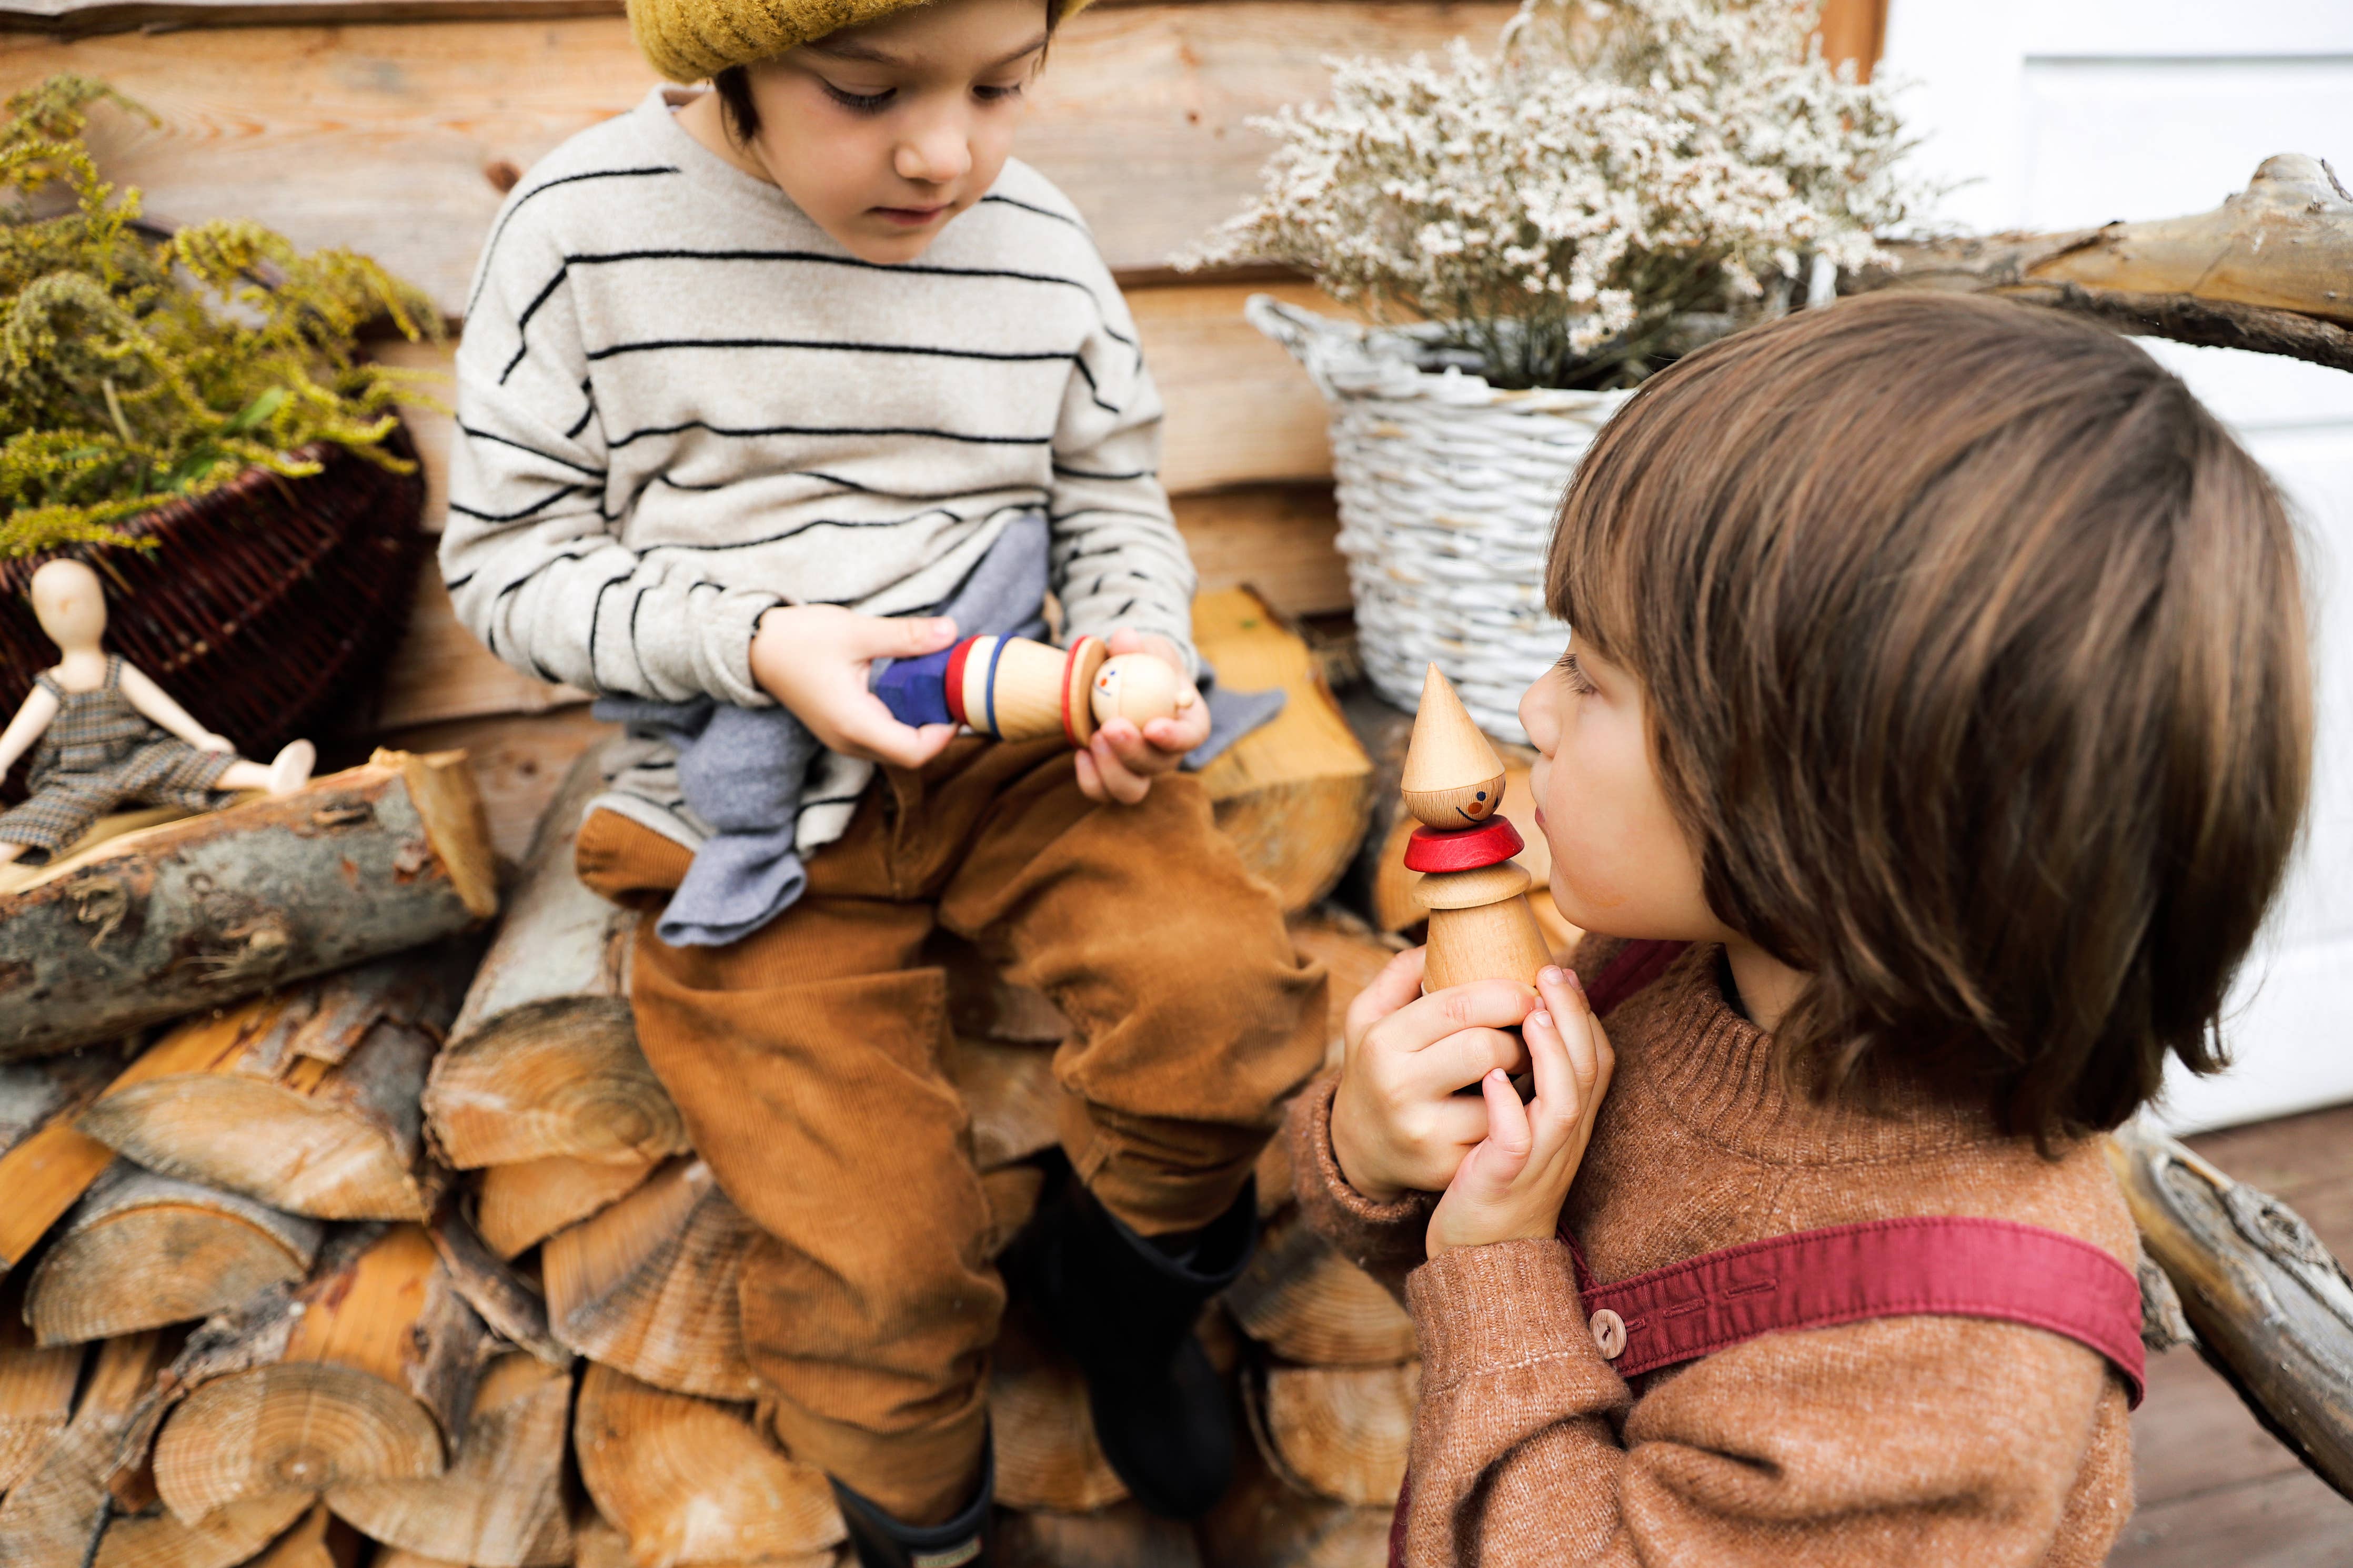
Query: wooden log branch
{"points": [[306, 1099], [206, 911], [648, 1286], [500, 1504], [2270, 270], [1336, 1432], [519, 1206], [141, 1251], [1044, 1432], [689, 1481], [374, 1383], [1294, 794], [2272, 1309], [1305, 1302], [542, 1057]]}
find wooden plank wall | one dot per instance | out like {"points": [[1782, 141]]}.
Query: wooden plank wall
{"points": [[395, 126]]}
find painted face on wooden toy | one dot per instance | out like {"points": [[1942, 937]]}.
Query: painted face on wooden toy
{"points": [[1136, 686]]}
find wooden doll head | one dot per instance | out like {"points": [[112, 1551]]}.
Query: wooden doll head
{"points": [[1139, 687], [71, 605], [1452, 777]]}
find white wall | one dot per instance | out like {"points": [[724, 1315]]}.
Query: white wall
{"points": [[2067, 113]]}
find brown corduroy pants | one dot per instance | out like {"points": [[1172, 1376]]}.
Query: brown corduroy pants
{"points": [[806, 1062]]}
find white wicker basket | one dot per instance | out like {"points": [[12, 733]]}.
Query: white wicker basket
{"points": [[1448, 489]]}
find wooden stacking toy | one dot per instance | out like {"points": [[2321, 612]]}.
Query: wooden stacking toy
{"points": [[1481, 927], [1017, 689]]}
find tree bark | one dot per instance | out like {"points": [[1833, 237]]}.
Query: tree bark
{"points": [[500, 1504], [306, 1099], [689, 1481], [374, 1382], [648, 1286], [510, 1304], [2270, 270], [142, 1250], [205, 911], [2272, 1310], [1009, 1093]]}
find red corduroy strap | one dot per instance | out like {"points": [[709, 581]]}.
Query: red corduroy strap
{"points": [[1949, 1266]]}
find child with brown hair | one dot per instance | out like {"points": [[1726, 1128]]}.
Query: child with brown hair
{"points": [[761, 386], [1933, 734]]}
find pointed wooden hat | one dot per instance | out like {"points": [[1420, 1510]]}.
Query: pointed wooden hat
{"points": [[1452, 778]]}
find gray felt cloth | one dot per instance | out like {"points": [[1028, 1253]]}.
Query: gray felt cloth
{"points": [[742, 769]]}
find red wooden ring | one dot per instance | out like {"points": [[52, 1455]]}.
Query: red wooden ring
{"points": [[954, 693], [1462, 849], [1069, 664]]}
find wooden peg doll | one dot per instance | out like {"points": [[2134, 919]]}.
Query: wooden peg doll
{"points": [[104, 735], [1017, 689], [1481, 926]]}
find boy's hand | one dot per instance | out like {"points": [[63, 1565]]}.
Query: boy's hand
{"points": [[1398, 1122], [1512, 1186], [813, 659], [1121, 761]]}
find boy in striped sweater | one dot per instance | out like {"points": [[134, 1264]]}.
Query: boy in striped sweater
{"points": [[754, 382]]}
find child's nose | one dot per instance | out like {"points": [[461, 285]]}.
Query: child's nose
{"points": [[934, 155]]}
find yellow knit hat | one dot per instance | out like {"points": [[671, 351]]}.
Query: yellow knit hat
{"points": [[689, 39]]}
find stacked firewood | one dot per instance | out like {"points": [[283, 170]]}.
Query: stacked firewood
{"points": [[414, 1258]]}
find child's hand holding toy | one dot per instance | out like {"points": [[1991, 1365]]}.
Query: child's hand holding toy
{"points": [[1121, 760], [1401, 1122]]}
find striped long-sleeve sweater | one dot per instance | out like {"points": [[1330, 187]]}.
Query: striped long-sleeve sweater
{"points": [[681, 402]]}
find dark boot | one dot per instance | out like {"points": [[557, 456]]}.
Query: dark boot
{"points": [[1123, 1307], [882, 1541]]}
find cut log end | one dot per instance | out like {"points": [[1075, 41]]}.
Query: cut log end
{"points": [[687, 1481], [648, 1286]]}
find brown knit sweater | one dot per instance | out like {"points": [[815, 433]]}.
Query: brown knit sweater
{"points": [[1918, 1441]]}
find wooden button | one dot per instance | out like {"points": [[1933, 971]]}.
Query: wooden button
{"points": [[1609, 1333]]}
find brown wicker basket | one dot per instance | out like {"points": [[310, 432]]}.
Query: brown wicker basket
{"points": [[269, 607]]}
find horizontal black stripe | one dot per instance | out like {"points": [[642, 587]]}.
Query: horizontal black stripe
{"points": [[1082, 474], [531, 510], [804, 527], [829, 430], [1107, 511], [819, 259], [1041, 212], [524, 199], [549, 456], [653, 345]]}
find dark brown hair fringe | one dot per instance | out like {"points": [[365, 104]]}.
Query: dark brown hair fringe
{"points": [[734, 86], [1975, 655]]}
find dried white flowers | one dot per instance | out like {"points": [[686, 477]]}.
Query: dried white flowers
{"points": [[1620, 166]]}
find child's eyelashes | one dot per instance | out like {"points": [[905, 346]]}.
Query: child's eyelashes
{"points": [[987, 94], [1579, 681], [861, 102]]}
